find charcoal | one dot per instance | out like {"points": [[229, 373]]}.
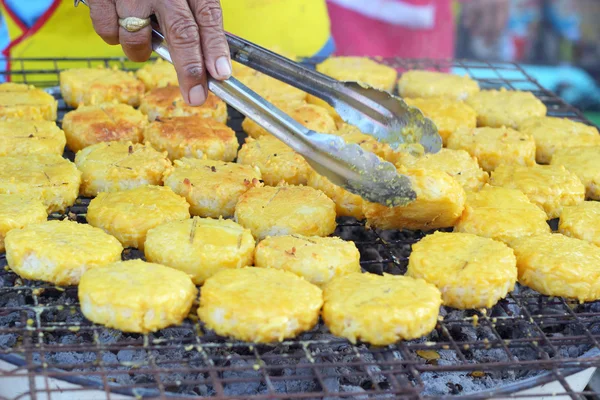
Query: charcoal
{"points": [[245, 387]]}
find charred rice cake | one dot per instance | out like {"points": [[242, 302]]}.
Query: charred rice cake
{"points": [[316, 259], [115, 166], [323, 104], [495, 146], [557, 265], [91, 86], [550, 187], [46, 177], [581, 221], [211, 187], [18, 211], [19, 101], [157, 74], [498, 108], [552, 134], [380, 310], [470, 271], [502, 214], [22, 137], [427, 84], [128, 215], [167, 102], [200, 247], [346, 204], [583, 162], [359, 69], [59, 251], [89, 125], [192, 137], [286, 210], [136, 296], [259, 304]]}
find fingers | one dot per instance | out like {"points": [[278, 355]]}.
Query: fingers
{"points": [[136, 45], [209, 17], [105, 20]]}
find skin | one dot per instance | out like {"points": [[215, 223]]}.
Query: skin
{"points": [[193, 29]]}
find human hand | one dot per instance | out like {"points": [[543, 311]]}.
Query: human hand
{"points": [[193, 29], [486, 18]]}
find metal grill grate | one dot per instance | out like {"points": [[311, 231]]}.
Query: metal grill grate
{"points": [[524, 341]]}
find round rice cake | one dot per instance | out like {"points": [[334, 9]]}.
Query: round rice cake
{"points": [[91, 86], [359, 69], [276, 161], [47, 177], [501, 214], [550, 187], [428, 84], [352, 135], [273, 90], [470, 271], [314, 100], [128, 215], [439, 203], [192, 137], [581, 221], [380, 310], [59, 251], [167, 102], [89, 125], [260, 305], [136, 296], [211, 187], [552, 134], [22, 137], [448, 115], [157, 74], [557, 265], [347, 204], [286, 210], [18, 211], [316, 259], [583, 162], [20, 101], [115, 166], [495, 146], [498, 108]]}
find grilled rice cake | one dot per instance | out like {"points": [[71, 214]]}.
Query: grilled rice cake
{"points": [[157, 74], [581, 221], [18, 211], [439, 203], [448, 115], [550, 187], [136, 296], [192, 137], [552, 134], [495, 146], [22, 137], [583, 162], [211, 187], [89, 125], [276, 161], [352, 135], [498, 108], [128, 215], [59, 251], [323, 104], [259, 304], [359, 69], [200, 247], [272, 89], [470, 271], [19, 101], [286, 210], [557, 265], [502, 214], [316, 259], [167, 102], [380, 310], [346, 204], [428, 84], [92, 86], [115, 166], [46, 177]]}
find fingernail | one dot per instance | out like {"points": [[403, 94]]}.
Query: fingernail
{"points": [[197, 95], [223, 67]]}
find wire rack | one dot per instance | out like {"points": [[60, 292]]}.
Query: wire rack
{"points": [[524, 341]]}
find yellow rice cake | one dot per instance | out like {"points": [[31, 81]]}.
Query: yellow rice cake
{"points": [[22, 137], [157, 74], [359, 69], [346, 204], [20, 101], [167, 102], [581, 221], [427, 84], [18, 211], [497, 108], [583, 162]]}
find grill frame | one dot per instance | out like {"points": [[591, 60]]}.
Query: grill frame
{"points": [[402, 377]]}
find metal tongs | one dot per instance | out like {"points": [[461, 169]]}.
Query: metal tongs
{"points": [[377, 113]]}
